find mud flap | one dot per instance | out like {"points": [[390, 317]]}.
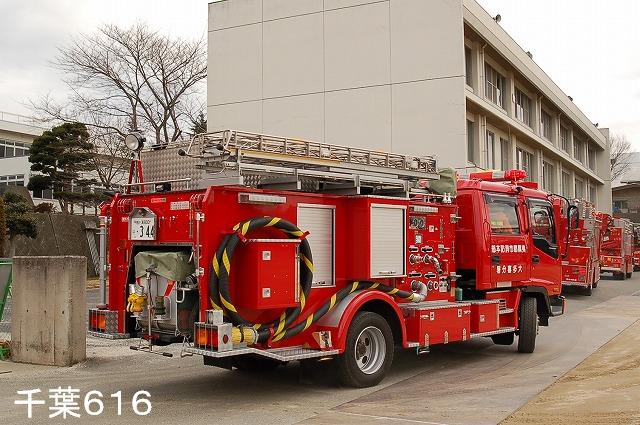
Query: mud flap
{"points": [[557, 304]]}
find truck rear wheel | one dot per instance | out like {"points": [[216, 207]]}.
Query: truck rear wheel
{"points": [[368, 353], [620, 275], [528, 325]]}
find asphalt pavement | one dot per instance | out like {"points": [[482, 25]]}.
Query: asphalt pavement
{"points": [[474, 382]]}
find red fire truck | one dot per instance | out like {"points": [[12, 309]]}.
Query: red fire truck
{"points": [[254, 250], [616, 255], [581, 267], [636, 247]]}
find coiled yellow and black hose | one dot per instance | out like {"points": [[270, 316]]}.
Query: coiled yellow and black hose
{"points": [[282, 327]]}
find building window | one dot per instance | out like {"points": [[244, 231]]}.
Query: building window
{"points": [[545, 125], [621, 206], [591, 158], [468, 65], [505, 153], [564, 138], [490, 151], [10, 149], [495, 86], [548, 173], [523, 107], [592, 193], [579, 189], [524, 160], [578, 150], [566, 184], [471, 151], [15, 180]]}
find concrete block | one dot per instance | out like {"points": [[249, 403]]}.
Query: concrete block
{"points": [[245, 116], [235, 65], [48, 314], [421, 128], [359, 118], [296, 116], [293, 56], [357, 44], [425, 39], [233, 13], [278, 9], [340, 4]]}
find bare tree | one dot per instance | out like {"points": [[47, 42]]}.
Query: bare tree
{"points": [[129, 78], [620, 155]]}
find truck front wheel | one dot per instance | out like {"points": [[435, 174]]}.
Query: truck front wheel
{"points": [[528, 325], [368, 353]]}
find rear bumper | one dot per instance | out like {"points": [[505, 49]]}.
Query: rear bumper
{"points": [[569, 283], [611, 269], [557, 305]]}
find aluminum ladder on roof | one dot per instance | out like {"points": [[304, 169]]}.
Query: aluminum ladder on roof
{"points": [[231, 157]]}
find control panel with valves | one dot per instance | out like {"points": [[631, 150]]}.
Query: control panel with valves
{"points": [[431, 250]]}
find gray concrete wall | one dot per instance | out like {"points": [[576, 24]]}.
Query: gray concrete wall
{"points": [[59, 234], [48, 310], [384, 75]]}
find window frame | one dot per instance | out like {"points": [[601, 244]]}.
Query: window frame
{"points": [[519, 96], [495, 85], [494, 198], [549, 248]]}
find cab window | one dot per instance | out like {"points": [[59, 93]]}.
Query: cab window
{"points": [[503, 215], [542, 227]]}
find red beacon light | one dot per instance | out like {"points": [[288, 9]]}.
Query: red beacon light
{"points": [[500, 176]]}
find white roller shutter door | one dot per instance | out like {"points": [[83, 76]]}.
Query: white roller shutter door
{"points": [[387, 241], [318, 220]]}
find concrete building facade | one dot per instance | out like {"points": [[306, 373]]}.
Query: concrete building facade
{"points": [[16, 135], [408, 76]]}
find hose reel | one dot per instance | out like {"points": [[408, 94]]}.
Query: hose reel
{"points": [[283, 327]]}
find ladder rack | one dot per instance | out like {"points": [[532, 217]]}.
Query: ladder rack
{"points": [[231, 157]]}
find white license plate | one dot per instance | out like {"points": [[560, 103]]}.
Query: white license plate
{"points": [[142, 229]]}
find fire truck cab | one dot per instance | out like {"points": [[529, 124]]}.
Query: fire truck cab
{"points": [[253, 250]]}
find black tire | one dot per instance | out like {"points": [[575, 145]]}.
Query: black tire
{"points": [[350, 368], [255, 364], [619, 275], [503, 339], [636, 268], [528, 325]]}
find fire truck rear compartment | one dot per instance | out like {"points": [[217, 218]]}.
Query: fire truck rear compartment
{"points": [[162, 283]]}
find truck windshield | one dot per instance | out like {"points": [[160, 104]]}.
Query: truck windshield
{"points": [[503, 215]]}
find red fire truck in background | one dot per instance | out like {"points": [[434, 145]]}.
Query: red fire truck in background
{"points": [[253, 250], [636, 247], [616, 255], [581, 266]]}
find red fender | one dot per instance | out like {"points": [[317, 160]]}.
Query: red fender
{"points": [[339, 318]]}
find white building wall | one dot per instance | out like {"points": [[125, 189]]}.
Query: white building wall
{"points": [[374, 74]]}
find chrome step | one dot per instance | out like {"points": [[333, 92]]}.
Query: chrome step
{"points": [[496, 332], [506, 310], [285, 354]]}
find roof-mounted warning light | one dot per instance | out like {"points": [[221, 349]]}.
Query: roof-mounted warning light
{"points": [[500, 176]]}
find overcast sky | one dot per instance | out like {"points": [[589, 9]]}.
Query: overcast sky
{"points": [[589, 47]]}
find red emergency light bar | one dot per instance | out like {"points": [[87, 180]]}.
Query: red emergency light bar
{"points": [[499, 176]]}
